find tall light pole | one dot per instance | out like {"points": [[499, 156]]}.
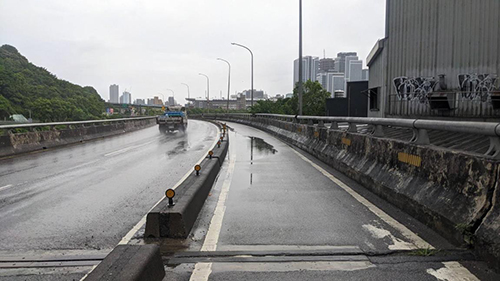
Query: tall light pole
{"points": [[299, 86], [208, 89], [163, 100], [187, 87], [239, 45], [228, 81]]}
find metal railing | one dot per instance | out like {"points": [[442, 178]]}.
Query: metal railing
{"points": [[32, 126], [420, 127]]}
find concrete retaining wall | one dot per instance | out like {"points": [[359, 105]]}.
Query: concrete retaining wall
{"points": [[452, 192], [11, 144]]}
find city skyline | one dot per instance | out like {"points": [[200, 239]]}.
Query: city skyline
{"points": [[158, 45]]}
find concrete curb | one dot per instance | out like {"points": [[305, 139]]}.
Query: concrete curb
{"points": [[12, 144], [177, 221], [454, 193], [130, 263]]}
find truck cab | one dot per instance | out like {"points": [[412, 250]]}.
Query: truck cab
{"points": [[174, 118]]}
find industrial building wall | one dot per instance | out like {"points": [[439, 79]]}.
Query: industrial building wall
{"points": [[431, 37]]}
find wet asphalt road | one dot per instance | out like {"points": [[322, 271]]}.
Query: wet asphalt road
{"points": [[88, 196], [275, 198]]}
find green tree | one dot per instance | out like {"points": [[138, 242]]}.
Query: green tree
{"points": [[28, 87], [313, 101], [5, 108]]}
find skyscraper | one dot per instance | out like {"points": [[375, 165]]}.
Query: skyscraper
{"points": [[310, 69], [171, 101], [354, 69], [340, 60], [326, 65], [113, 93], [126, 98]]}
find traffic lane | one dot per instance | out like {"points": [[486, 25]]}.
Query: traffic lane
{"points": [[20, 168], [353, 270], [96, 204], [276, 198]]}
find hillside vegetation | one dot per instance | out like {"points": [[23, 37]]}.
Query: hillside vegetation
{"points": [[25, 86]]}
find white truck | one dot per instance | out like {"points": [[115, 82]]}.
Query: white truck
{"points": [[174, 118]]}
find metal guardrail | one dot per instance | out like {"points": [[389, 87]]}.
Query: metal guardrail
{"points": [[420, 127], [53, 124]]}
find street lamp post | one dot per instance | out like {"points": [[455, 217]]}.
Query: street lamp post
{"points": [[239, 45], [187, 87], [173, 97], [208, 89], [299, 86], [228, 81], [163, 100]]}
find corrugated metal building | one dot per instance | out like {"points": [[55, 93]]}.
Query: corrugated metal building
{"points": [[458, 40]]}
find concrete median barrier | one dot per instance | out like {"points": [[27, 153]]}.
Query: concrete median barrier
{"points": [[455, 193], [178, 220], [130, 263]]}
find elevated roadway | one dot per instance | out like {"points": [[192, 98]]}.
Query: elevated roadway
{"points": [[276, 213], [83, 199]]}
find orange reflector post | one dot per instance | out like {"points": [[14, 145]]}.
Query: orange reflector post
{"points": [[170, 193], [197, 168], [210, 153]]}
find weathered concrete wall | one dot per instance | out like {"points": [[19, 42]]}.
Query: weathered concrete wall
{"points": [[11, 144], [454, 193]]}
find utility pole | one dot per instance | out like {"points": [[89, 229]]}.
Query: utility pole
{"points": [[300, 90]]}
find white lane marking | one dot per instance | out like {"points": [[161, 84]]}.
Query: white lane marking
{"points": [[294, 266], [123, 150], [210, 243], [92, 269], [126, 239], [5, 187], [202, 270], [380, 233], [452, 271], [253, 248], [417, 241]]}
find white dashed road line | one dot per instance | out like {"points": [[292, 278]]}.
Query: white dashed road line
{"points": [[202, 270]]}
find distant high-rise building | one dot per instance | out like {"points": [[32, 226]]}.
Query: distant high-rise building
{"points": [[340, 60], [140, 101], [365, 75], [332, 82], [171, 101], [257, 94], [126, 98], [354, 70], [310, 69], [326, 65], [113, 93]]}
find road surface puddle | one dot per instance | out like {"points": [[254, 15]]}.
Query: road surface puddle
{"points": [[261, 146]]}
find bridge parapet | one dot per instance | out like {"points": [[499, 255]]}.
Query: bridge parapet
{"points": [[21, 138], [474, 137], [443, 173]]}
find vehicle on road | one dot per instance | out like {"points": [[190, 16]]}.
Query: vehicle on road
{"points": [[174, 118]]}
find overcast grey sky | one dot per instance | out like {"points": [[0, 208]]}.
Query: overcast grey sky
{"points": [[149, 46]]}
